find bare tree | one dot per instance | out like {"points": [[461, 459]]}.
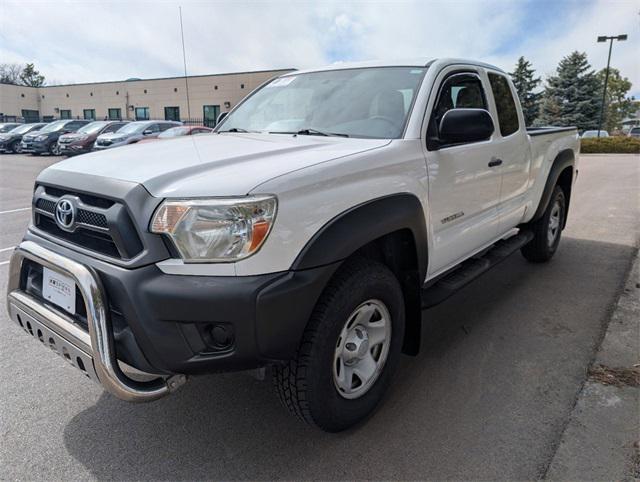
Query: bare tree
{"points": [[10, 73]]}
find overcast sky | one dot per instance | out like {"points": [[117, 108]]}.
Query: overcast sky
{"points": [[90, 41]]}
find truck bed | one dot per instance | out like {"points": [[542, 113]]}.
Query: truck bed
{"points": [[539, 131]]}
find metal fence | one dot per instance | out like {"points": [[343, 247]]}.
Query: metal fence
{"points": [[192, 121]]}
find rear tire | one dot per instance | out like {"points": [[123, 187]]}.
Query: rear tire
{"points": [[547, 230], [349, 350]]}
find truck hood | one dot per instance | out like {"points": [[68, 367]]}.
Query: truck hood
{"points": [[214, 164]]}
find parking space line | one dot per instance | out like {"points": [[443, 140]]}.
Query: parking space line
{"points": [[14, 210], [6, 249]]}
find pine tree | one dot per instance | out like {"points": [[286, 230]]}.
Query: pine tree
{"points": [[525, 84], [617, 105], [572, 96]]}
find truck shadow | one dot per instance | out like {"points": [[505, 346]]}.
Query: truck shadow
{"points": [[502, 358]]}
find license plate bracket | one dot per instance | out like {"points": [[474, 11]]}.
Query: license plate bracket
{"points": [[59, 290]]}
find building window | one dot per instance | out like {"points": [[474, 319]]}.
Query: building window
{"points": [[67, 95], [115, 113], [30, 115], [142, 113], [65, 114], [210, 115], [175, 89], [172, 113], [43, 96], [117, 92], [242, 86], [21, 95], [89, 114], [145, 91], [215, 87], [91, 94]]}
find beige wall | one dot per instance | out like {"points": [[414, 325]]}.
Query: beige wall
{"points": [[160, 93], [14, 98]]}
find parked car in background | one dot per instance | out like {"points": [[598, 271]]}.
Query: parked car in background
{"points": [[591, 134], [46, 139], [634, 132], [132, 133], [83, 139], [180, 131], [7, 126], [10, 141]]}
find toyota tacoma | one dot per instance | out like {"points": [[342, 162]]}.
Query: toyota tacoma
{"points": [[307, 235]]}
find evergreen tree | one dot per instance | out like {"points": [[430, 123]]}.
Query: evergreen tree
{"points": [[31, 77], [617, 105], [572, 97], [525, 84]]}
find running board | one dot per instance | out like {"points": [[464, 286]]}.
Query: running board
{"points": [[472, 268]]}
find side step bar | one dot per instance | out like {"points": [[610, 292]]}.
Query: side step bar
{"points": [[469, 270]]}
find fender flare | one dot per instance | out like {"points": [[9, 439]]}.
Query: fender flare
{"points": [[564, 159], [358, 226]]}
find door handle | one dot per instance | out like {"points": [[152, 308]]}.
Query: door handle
{"points": [[495, 162]]}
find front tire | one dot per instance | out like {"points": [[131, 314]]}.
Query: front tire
{"points": [[54, 149], [349, 350], [15, 147], [547, 230]]}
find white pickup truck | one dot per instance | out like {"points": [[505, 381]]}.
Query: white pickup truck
{"points": [[308, 234]]}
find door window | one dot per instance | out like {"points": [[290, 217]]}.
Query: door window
{"points": [[115, 114], [89, 114], [65, 114], [459, 91], [172, 113], [210, 115], [142, 113], [505, 105]]}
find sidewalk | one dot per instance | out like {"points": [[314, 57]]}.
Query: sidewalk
{"points": [[601, 440]]}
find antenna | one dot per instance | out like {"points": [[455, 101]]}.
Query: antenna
{"points": [[184, 59]]}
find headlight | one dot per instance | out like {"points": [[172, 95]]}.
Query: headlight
{"points": [[222, 230], [41, 138]]}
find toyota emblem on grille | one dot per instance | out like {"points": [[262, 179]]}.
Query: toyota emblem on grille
{"points": [[65, 214]]}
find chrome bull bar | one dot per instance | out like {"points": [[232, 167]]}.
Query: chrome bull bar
{"points": [[92, 352]]}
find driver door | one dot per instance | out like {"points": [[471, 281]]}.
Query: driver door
{"points": [[464, 181]]}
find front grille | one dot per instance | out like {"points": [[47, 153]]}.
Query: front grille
{"points": [[67, 140], [101, 225]]}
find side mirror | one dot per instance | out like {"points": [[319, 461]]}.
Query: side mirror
{"points": [[146, 132], [465, 125], [221, 117]]}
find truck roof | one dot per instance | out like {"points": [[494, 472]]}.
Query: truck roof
{"points": [[412, 62]]}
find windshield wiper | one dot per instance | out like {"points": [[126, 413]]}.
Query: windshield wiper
{"points": [[235, 129], [313, 132]]}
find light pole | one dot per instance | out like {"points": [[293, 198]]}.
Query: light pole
{"points": [[604, 38]]}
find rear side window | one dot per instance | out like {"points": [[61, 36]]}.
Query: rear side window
{"points": [[506, 105]]}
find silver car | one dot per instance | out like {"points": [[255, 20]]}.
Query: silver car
{"points": [[132, 133]]}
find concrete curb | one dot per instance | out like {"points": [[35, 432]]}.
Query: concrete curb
{"points": [[601, 440]]}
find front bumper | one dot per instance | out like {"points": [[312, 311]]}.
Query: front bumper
{"points": [[71, 149], [39, 147], [166, 324], [93, 352]]}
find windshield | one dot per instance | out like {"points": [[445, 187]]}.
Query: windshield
{"points": [[21, 129], [91, 128], [370, 102], [54, 126], [7, 127], [133, 127], [174, 132]]}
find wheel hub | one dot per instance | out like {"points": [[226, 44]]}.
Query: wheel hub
{"points": [[356, 346], [362, 349]]}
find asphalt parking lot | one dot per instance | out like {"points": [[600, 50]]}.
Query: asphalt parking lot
{"points": [[488, 397]]}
